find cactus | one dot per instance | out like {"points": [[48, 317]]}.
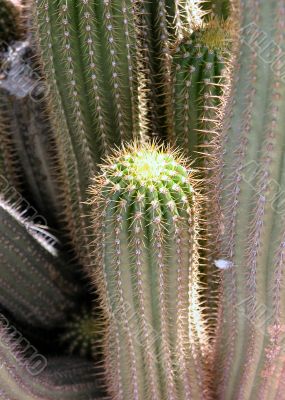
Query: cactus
{"points": [[36, 287], [148, 275], [89, 53], [30, 376], [250, 185], [220, 8], [197, 78], [25, 133], [81, 331]]}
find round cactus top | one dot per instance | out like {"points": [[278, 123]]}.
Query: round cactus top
{"points": [[146, 165], [150, 172]]}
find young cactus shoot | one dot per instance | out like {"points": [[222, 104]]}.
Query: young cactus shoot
{"points": [[148, 275]]}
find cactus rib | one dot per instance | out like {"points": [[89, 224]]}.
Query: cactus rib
{"points": [[36, 287], [251, 162], [149, 278], [27, 378]]}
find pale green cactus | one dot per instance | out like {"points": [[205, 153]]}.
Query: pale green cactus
{"points": [[148, 275], [250, 186]]}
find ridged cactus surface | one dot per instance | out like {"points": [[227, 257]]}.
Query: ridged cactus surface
{"points": [[33, 377], [148, 276], [89, 53], [37, 288], [197, 79], [250, 337]]}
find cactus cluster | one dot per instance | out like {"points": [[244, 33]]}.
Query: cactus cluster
{"points": [[150, 140]]}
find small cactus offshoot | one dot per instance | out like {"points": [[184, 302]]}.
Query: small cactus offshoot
{"points": [[80, 333], [148, 275]]}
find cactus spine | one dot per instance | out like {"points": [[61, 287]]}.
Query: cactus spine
{"points": [[36, 286], [149, 278], [89, 56], [198, 62], [250, 186], [33, 377]]}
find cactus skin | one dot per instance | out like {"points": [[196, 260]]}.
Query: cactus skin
{"points": [[89, 53], [36, 286], [62, 379], [220, 8], [26, 140], [148, 276], [250, 185], [197, 78]]}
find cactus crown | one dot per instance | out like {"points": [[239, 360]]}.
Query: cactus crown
{"points": [[80, 333], [149, 166]]}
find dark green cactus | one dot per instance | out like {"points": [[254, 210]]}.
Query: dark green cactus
{"points": [[28, 151], [197, 79], [37, 288], [81, 331], [28, 375], [148, 276], [250, 183], [90, 54]]}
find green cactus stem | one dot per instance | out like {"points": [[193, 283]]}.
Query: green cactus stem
{"points": [[9, 165], [197, 78], [28, 375], [220, 8], [37, 288], [250, 185], [89, 53], [148, 276]]}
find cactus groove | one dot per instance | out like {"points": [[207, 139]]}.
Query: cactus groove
{"points": [[89, 54], [30, 376], [36, 286], [197, 79], [250, 337], [149, 277]]}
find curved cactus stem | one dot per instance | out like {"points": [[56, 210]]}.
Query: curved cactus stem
{"points": [[148, 276], [29, 375], [25, 134], [250, 186], [36, 286]]}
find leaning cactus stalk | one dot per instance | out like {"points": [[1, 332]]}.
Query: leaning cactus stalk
{"points": [[250, 186], [148, 276], [36, 286], [27, 375]]}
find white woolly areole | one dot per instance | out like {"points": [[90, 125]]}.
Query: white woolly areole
{"points": [[223, 264]]}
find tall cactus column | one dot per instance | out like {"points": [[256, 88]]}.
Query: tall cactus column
{"points": [[149, 278], [89, 56], [250, 338]]}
